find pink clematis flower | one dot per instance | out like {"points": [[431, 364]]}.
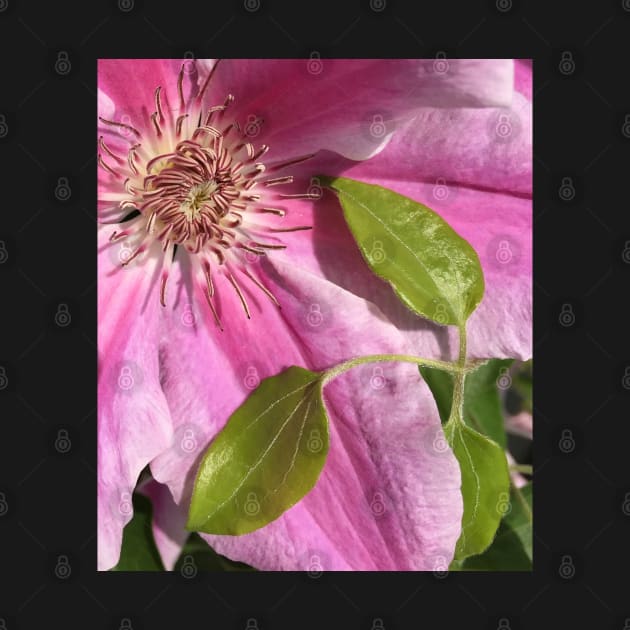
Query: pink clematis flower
{"points": [[214, 167]]}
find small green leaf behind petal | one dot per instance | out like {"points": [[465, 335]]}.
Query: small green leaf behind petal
{"points": [[138, 551], [519, 519], [485, 486], [434, 271], [482, 402], [511, 550], [267, 457]]}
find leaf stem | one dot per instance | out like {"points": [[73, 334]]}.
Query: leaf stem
{"points": [[457, 406], [447, 366], [522, 468]]}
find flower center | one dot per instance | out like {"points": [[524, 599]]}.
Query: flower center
{"points": [[192, 180], [195, 203]]}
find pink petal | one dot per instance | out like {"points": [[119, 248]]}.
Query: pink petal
{"points": [[133, 417], [520, 424], [106, 107], [349, 106], [199, 380], [169, 521], [126, 91], [523, 77], [517, 479], [386, 499], [490, 148], [131, 84]]}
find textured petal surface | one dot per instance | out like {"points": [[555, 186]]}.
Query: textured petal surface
{"points": [[169, 522], [488, 149], [349, 106], [131, 84], [133, 417]]}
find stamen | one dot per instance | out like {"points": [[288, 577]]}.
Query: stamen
{"points": [[101, 143], [151, 223], [166, 268], [215, 133], [298, 228], [301, 196], [206, 83], [214, 312], [156, 124], [278, 180], [118, 235], [194, 189], [208, 275], [178, 124], [230, 127], [263, 149], [262, 287], [212, 111], [108, 168], [281, 165], [129, 188], [138, 251], [130, 160], [180, 89], [118, 124], [268, 245], [276, 211], [249, 148], [158, 103], [232, 280], [247, 248]]}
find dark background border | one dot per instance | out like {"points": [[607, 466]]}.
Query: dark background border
{"points": [[47, 380]]}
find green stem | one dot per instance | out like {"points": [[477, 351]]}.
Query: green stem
{"points": [[521, 499], [522, 468], [457, 406], [447, 366]]}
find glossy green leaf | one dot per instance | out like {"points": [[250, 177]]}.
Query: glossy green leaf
{"points": [[138, 551], [268, 456], [511, 550], [482, 402], [434, 271], [485, 486]]}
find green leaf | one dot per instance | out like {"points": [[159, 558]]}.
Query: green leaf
{"points": [[485, 486], [138, 551], [206, 558], [505, 554], [482, 403], [519, 519], [268, 456], [441, 385], [523, 385], [434, 271], [511, 550]]}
